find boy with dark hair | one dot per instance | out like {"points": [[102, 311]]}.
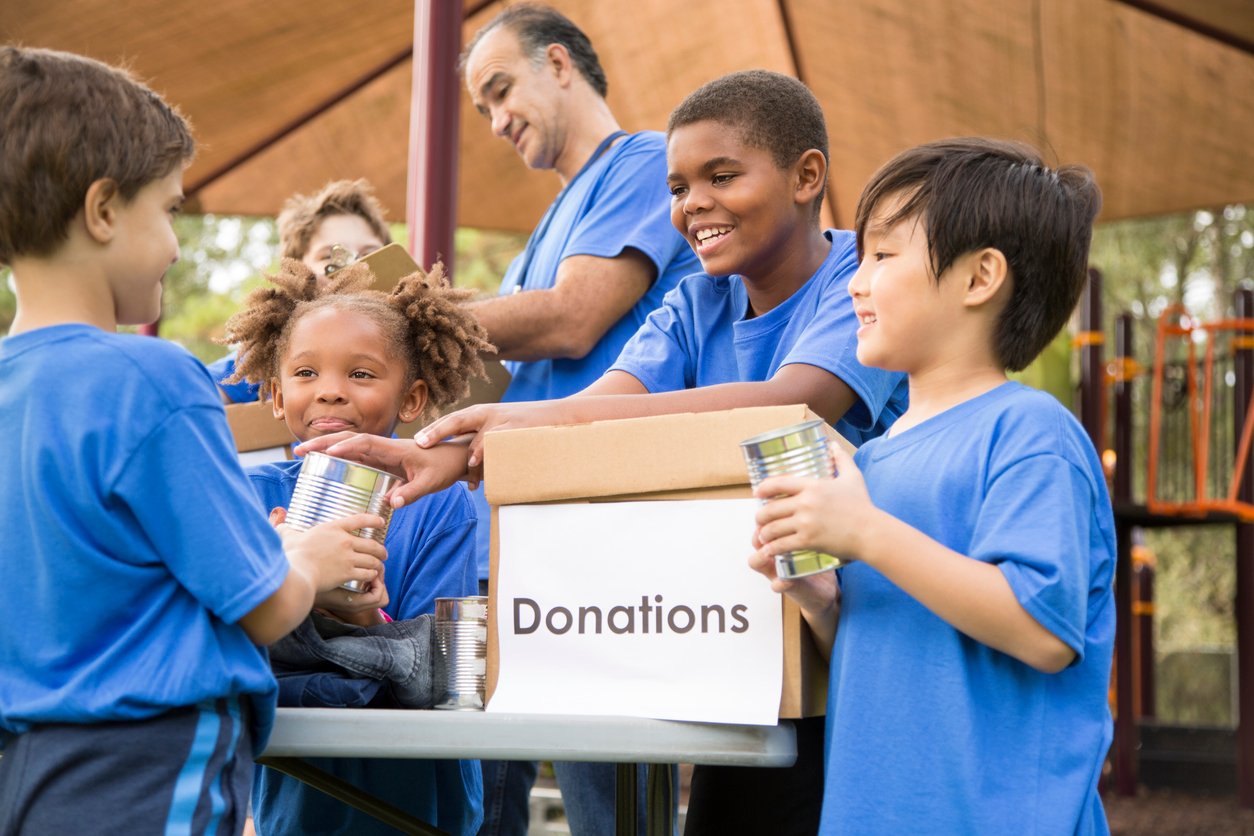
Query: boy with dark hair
{"points": [[767, 322], [132, 689], [339, 224], [971, 630]]}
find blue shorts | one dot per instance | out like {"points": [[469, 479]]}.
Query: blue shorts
{"points": [[187, 771]]}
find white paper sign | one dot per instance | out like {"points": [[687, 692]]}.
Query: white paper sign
{"points": [[638, 609]]}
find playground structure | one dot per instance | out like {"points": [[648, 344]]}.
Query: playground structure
{"points": [[1192, 468]]}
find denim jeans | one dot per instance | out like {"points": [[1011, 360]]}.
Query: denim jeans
{"points": [[587, 794]]}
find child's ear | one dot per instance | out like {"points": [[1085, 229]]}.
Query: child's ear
{"points": [[414, 402], [100, 209], [988, 273], [276, 399], [811, 174]]}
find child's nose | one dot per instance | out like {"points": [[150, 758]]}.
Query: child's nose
{"points": [[696, 200], [329, 392], [858, 284]]}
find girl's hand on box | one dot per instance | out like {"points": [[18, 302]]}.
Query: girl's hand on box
{"points": [[829, 515]]}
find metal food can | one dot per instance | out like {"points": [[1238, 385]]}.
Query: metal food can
{"points": [[798, 450], [330, 489], [461, 636]]}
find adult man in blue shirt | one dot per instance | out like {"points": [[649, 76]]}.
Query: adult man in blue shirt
{"points": [[599, 261]]}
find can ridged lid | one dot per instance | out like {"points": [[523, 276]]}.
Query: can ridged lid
{"points": [[355, 475], [783, 440]]}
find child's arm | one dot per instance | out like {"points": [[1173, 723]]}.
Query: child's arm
{"points": [[838, 517], [451, 448], [618, 394], [320, 559]]}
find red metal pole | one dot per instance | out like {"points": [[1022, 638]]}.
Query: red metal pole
{"points": [[1244, 362], [1092, 367], [431, 190]]}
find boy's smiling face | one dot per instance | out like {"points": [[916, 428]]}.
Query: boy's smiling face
{"points": [[906, 318], [340, 373], [732, 203]]}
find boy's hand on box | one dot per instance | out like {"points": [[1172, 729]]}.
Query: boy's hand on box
{"points": [[481, 419], [824, 514], [331, 554]]}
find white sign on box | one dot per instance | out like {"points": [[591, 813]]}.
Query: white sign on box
{"points": [[638, 609]]}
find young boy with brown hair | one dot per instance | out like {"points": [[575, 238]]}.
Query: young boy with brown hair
{"points": [[142, 575], [971, 630], [341, 223]]}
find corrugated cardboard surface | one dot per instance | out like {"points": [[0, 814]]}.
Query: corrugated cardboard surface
{"points": [[666, 457], [255, 427]]}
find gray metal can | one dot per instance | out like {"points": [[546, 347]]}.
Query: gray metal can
{"points": [[798, 450], [461, 636], [330, 489]]}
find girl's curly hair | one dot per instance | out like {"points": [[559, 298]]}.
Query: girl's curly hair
{"points": [[424, 319]]}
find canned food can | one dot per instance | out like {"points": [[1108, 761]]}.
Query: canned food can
{"points": [[798, 450], [461, 635], [330, 489]]}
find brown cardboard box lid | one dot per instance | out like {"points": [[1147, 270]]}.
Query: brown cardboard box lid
{"points": [[255, 427], [630, 456]]}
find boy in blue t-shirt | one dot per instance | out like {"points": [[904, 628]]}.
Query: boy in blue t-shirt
{"points": [[971, 629], [132, 687], [768, 322]]}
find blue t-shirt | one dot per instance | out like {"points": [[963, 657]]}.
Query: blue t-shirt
{"points": [[133, 544], [929, 729], [430, 547], [700, 337], [619, 201], [242, 392]]}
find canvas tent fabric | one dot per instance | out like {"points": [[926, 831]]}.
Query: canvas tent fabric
{"points": [[1152, 94]]}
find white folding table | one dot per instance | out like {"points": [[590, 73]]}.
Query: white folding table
{"points": [[439, 735]]}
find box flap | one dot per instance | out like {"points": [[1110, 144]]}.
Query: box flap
{"points": [[628, 456], [255, 427]]}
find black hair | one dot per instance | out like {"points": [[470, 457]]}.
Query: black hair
{"points": [[971, 193], [771, 111]]}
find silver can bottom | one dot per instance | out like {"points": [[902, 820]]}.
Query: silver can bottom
{"points": [[462, 702], [800, 564]]}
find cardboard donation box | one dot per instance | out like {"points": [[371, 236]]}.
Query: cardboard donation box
{"points": [[619, 574]]}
